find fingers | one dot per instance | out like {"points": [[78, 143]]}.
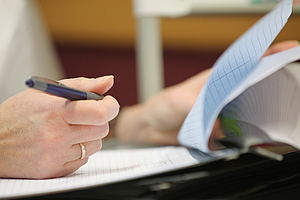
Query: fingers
{"points": [[91, 112], [99, 85], [296, 2], [91, 147], [73, 160], [281, 46], [87, 120], [82, 133], [48, 129], [75, 153]]}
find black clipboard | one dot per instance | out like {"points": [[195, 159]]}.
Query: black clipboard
{"points": [[251, 176]]}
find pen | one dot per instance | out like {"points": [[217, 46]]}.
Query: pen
{"points": [[58, 89]]}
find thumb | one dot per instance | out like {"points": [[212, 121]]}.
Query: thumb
{"points": [[98, 85]]}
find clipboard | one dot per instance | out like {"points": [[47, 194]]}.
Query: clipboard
{"points": [[249, 177]]}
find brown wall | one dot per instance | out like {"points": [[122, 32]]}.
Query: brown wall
{"points": [[111, 23], [96, 38]]}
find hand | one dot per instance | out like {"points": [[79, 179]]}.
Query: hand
{"points": [[296, 2], [40, 133], [158, 120]]}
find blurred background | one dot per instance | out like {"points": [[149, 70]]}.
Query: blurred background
{"points": [[97, 37]]}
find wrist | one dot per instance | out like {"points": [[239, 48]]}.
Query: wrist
{"points": [[129, 123]]}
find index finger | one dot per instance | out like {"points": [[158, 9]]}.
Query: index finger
{"points": [[98, 85], [91, 112]]}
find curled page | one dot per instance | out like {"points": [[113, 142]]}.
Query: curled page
{"points": [[268, 111], [234, 65]]}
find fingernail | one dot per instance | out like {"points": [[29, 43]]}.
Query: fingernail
{"points": [[103, 78]]}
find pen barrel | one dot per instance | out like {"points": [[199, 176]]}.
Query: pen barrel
{"points": [[58, 89], [66, 92]]}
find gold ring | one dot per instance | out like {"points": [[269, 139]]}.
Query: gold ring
{"points": [[82, 150]]}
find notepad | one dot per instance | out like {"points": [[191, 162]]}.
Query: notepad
{"points": [[256, 100], [106, 167], [236, 86]]}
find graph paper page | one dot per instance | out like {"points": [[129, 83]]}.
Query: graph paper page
{"points": [[234, 65], [268, 111], [105, 167]]}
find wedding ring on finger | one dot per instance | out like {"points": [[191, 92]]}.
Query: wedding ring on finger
{"points": [[82, 147]]}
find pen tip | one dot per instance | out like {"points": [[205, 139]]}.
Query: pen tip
{"points": [[29, 83]]}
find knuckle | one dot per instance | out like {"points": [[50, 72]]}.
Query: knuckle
{"points": [[53, 113]]}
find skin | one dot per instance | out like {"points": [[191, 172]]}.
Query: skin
{"points": [[158, 120], [39, 133]]}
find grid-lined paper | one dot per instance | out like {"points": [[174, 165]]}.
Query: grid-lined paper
{"points": [[229, 71], [269, 110], [105, 167]]}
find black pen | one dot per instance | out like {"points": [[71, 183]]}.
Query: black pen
{"points": [[58, 89]]}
